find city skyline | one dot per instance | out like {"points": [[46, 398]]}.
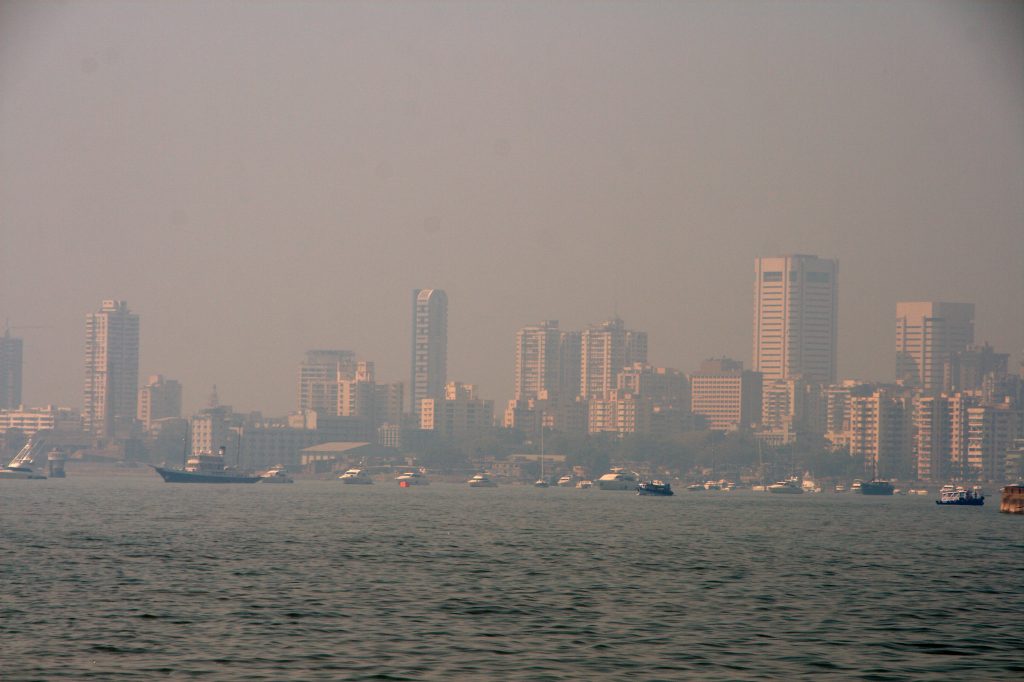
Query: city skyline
{"points": [[529, 170]]}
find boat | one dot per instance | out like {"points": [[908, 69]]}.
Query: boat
{"points": [[840, 488], [541, 482], [959, 496], [856, 486], [877, 487], [481, 480], [917, 491], [618, 479], [694, 487], [791, 486], [566, 481], [356, 477], [276, 474], [712, 485], [584, 485], [21, 466], [206, 467], [1012, 500], [410, 478], [657, 488]]}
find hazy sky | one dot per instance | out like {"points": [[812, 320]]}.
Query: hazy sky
{"points": [[261, 178]]}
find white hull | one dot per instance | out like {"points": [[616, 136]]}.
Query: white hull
{"points": [[21, 474]]}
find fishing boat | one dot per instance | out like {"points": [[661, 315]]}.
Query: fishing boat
{"points": [[656, 488], [21, 466], [206, 467], [959, 496]]}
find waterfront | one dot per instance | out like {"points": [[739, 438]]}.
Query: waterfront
{"points": [[131, 577]]}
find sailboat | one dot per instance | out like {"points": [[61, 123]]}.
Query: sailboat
{"points": [[21, 465], [876, 486], [541, 482]]}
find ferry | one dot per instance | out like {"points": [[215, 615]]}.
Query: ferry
{"points": [[960, 496], [618, 479], [206, 467], [276, 474], [356, 477], [657, 488]]}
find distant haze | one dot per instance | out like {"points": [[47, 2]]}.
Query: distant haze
{"points": [[261, 178]]}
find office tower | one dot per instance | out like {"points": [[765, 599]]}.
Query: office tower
{"points": [[725, 395], [429, 346], [111, 369], [160, 398], [795, 318], [537, 356], [928, 334], [10, 372], [319, 374]]}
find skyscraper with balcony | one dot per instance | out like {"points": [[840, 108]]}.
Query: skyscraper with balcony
{"points": [[928, 336], [111, 369], [795, 318], [429, 346], [10, 372], [605, 350]]}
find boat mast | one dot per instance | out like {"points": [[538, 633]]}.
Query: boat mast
{"points": [[185, 443]]}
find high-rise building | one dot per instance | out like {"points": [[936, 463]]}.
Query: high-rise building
{"points": [[928, 335], [605, 350], [111, 369], [795, 318], [319, 377], [160, 398], [429, 346], [10, 371], [881, 430], [725, 395], [457, 413], [537, 358]]}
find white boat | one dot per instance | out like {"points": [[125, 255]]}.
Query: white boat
{"points": [[481, 481], [276, 474], [21, 465], [917, 491], [618, 479], [566, 481], [584, 485], [791, 486], [355, 477], [409, 478], [856, 486]]}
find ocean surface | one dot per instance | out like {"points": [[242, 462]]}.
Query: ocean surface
{"points": [[133, 578]]}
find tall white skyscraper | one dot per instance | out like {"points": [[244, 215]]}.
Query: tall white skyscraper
{"points": [[928, 335], [795, 318], [111, 369], [10, 372], [605, 350], [429, 346]]}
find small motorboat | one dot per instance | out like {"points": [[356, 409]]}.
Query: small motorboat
{"points": [[657, 488]]}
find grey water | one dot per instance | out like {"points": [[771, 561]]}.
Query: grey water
{"points": [[132, 578]]}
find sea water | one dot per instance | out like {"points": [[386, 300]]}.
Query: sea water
{"points": [[130, 578]]}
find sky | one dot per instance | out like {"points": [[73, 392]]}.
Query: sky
{"points": [[262, 178]]}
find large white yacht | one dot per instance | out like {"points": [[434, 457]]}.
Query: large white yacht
{"points": [[567, 481], [408, 478], [276, 474], [790, 486], [356, 477], [618, 479], [481, 481]]}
